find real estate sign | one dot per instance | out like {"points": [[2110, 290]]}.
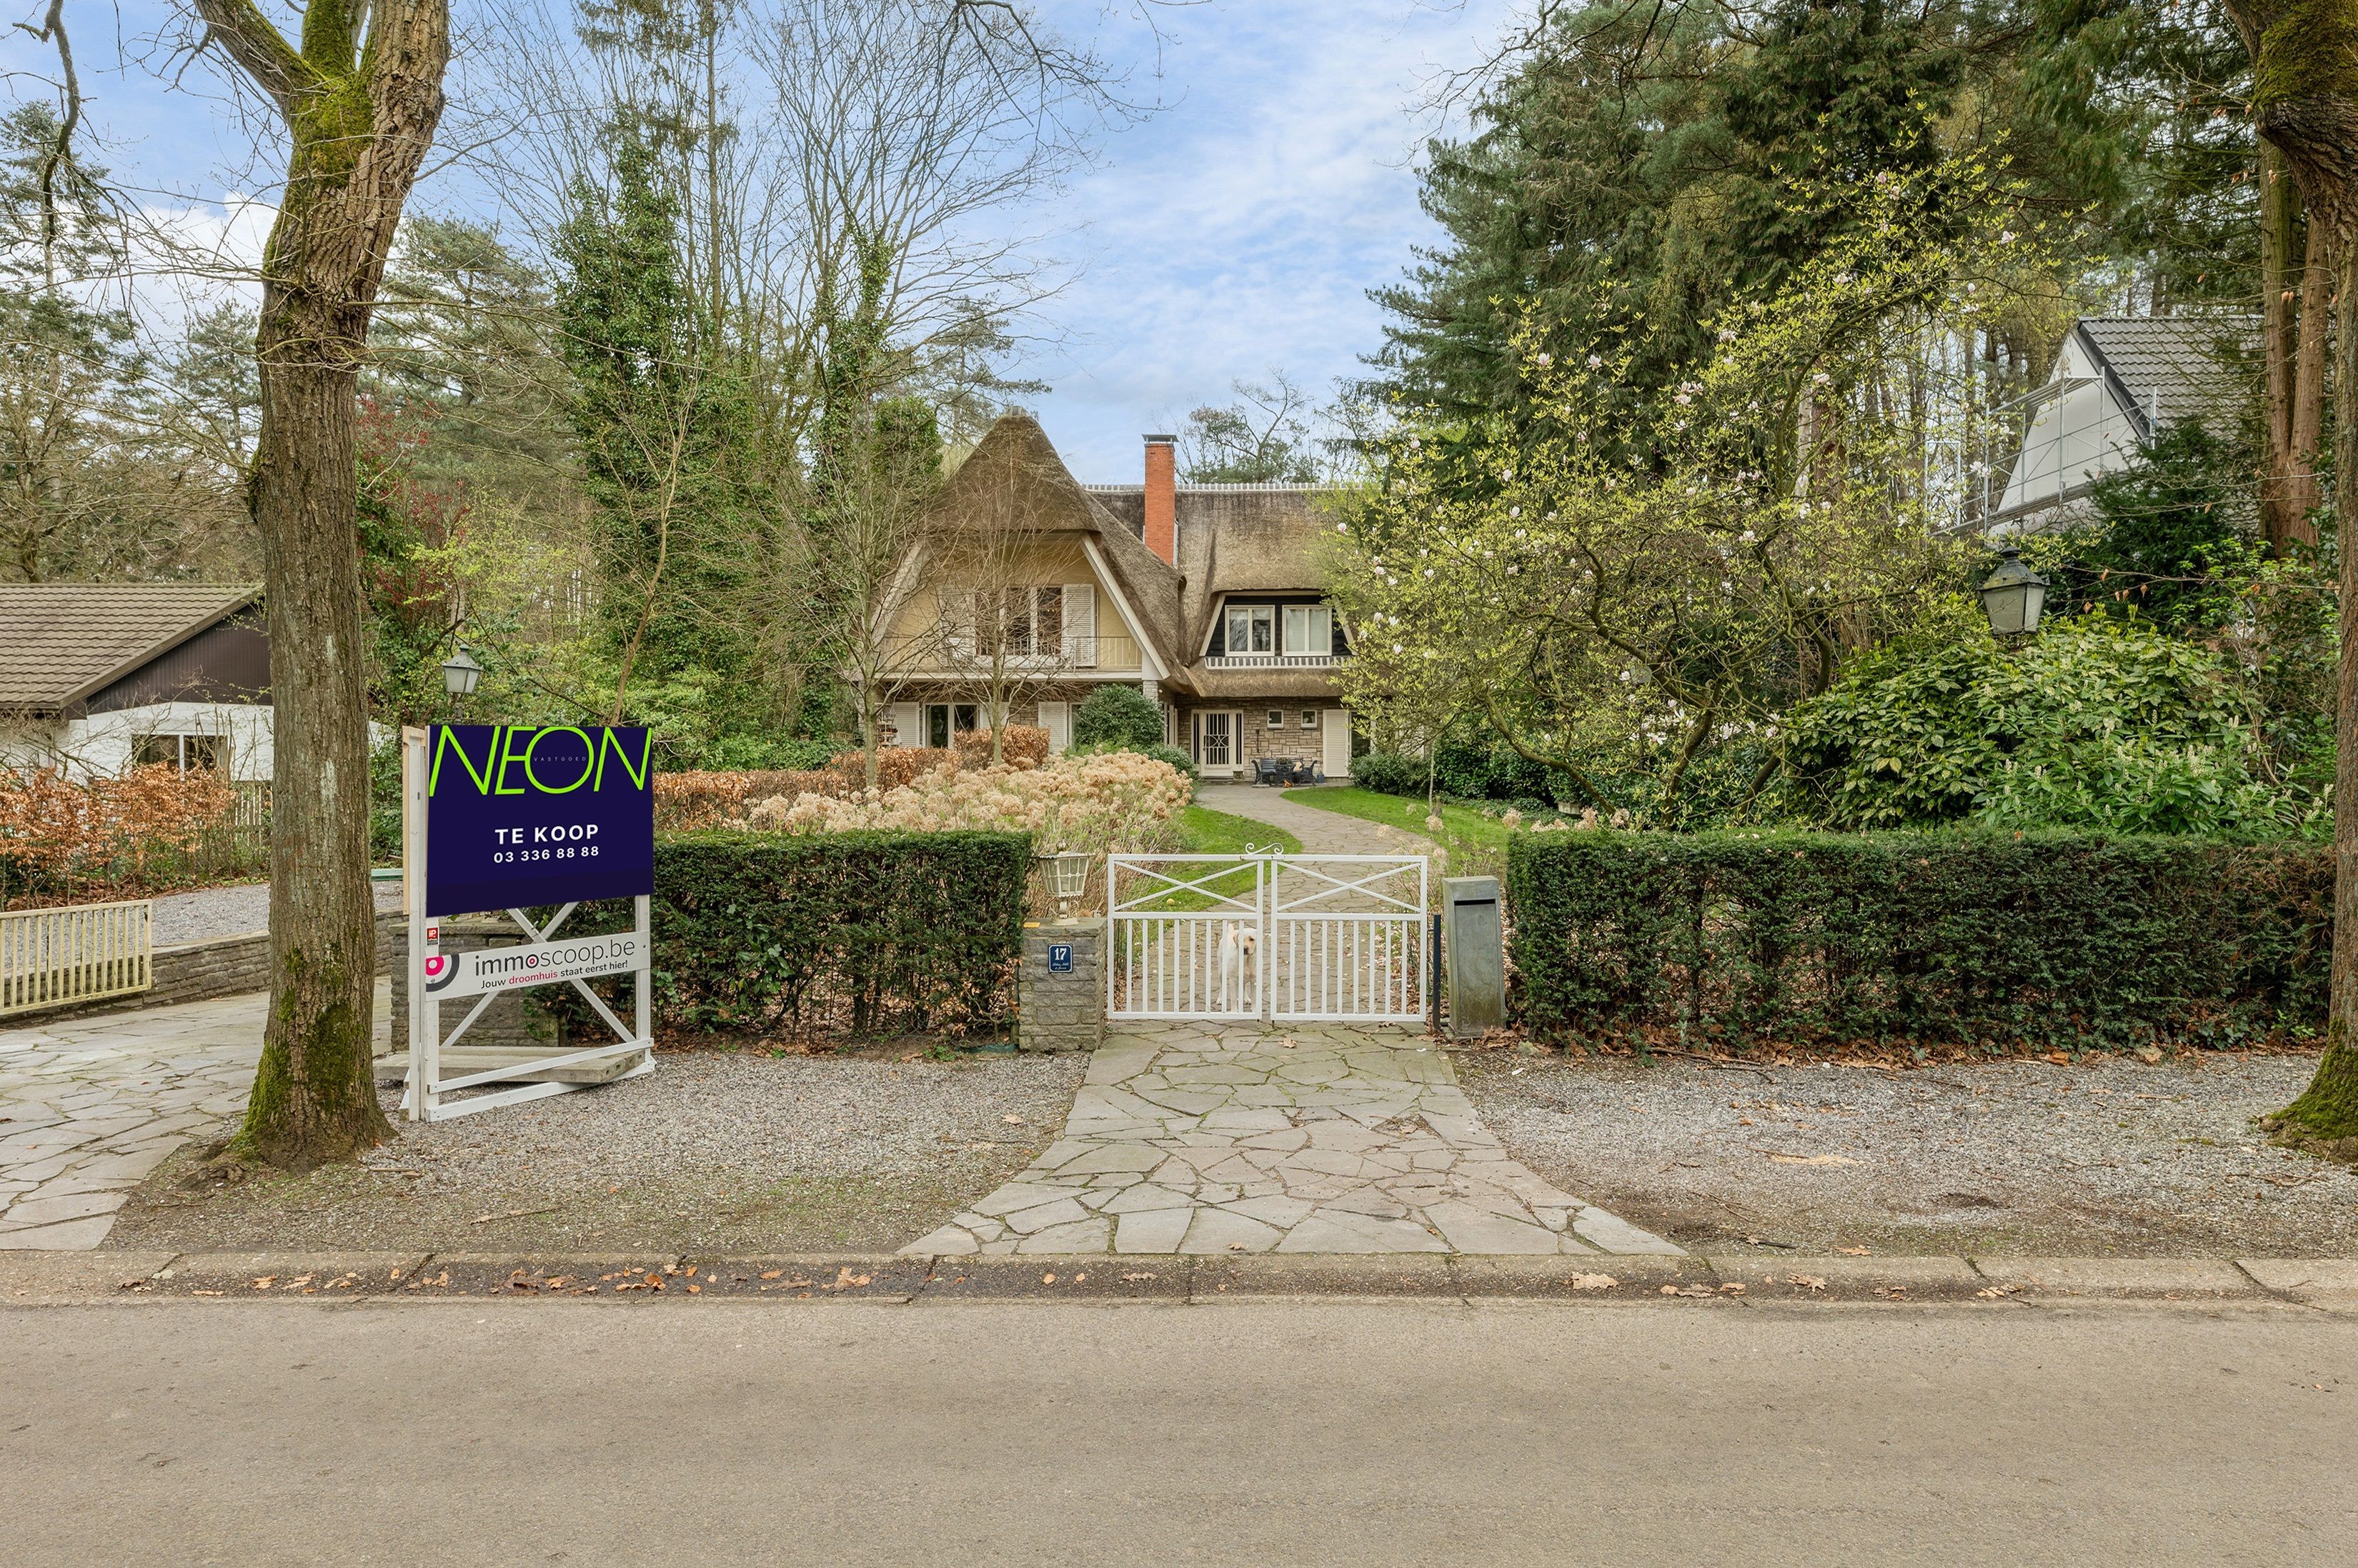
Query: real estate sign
{"points": [[510, 968], [519, 816]]}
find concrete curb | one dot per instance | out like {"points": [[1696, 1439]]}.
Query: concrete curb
{"points": [[35, 1277]]}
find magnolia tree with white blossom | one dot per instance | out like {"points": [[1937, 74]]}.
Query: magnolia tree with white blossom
{"points": [[1621, 606]]}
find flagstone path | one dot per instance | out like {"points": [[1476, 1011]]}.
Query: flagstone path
{"points": [[1321, 832], [89, 1105], [1201, 1138]]}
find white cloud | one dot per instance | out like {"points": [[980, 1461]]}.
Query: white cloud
{"points": [[187, 258]]}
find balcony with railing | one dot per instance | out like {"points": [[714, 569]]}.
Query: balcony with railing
{"points": [[962, 655], [1273, 661]]}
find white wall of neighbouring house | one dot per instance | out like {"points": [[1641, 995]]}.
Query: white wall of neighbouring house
{"points": [[2073, 438], [99, 745], [29, 743]]}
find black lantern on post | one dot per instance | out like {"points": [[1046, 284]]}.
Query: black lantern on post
{"points": [[460, 675], [2012, 597]]}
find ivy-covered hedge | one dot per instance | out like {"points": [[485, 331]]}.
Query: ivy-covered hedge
{"points": [[1745, 940], [858, 932]]}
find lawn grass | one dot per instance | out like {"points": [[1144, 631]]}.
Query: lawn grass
{"points": [[1210, 832], [1204, 831], [1477, 843]]}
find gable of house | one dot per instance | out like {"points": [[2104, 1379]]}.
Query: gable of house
{"points": [[1013, 520], [2117, 380]]}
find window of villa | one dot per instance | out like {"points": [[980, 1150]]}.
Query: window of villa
{"points": [[944, 719], [180, 752], [1028, 622], [1309, 629]]}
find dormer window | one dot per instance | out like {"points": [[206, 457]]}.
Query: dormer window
{"points": [[1282, 629], [1309, 629]]}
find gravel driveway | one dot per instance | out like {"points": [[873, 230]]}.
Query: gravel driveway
{"points": [[737, 1153], [2021, 1157], [212, 912]]}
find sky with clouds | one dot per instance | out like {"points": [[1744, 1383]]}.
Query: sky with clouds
{"points": [[1234, 232]]}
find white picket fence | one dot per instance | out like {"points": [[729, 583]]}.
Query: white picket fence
{"points": [[84, 952]]}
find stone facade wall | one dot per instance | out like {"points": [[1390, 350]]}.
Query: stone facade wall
{"points": [[1067, 1012], [1256, 740]]}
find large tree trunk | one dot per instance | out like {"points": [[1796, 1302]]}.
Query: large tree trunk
{"points": [[315, 1092], [359, 119], [2328, 1109], [2294, 279]]}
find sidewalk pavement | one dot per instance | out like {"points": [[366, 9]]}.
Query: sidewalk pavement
{"points": [[31, 1278]]}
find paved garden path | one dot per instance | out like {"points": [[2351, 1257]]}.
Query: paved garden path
{"points": [[89, 1105], [1321, 832], [1205, 1138]]}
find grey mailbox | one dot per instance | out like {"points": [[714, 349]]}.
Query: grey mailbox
{"points": [[1473, 948]]}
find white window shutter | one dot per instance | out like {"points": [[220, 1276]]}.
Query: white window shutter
{"points": [[908, 724], [1081, 625], [1057, 718]]}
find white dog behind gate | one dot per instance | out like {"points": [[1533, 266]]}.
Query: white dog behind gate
{"points": [[1240, 955]]}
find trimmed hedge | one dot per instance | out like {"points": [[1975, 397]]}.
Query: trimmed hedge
{"points": [[1738, 939], [858, 932]]}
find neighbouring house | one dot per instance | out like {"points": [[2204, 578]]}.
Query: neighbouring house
{"points": [[2118, 380], [97, 678], [1034, 589]]}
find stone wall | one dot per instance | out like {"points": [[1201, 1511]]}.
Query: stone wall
{"points": [[1061, 1011]]}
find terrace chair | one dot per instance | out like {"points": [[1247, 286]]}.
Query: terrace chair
{"points": [[1272, 769]]}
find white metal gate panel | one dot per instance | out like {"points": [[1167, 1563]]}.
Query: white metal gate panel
{"points": [[1277, 937], [1181, 935], [1349, 937]]}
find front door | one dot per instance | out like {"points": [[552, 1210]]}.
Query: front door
{"points": [[1215, 747]]}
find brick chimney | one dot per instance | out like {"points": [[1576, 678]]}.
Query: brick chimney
{"points": [[1162, 533]]}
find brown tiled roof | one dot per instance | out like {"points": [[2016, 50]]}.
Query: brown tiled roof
{"points": [[62, 640]]}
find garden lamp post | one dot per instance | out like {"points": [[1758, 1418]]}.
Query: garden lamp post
{"points": [[460, 675], [2013, 596]]}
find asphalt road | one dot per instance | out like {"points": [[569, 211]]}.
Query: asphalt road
{"points": [[1275, 1432]]}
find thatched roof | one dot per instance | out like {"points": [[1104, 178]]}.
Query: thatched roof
{"points": [[1014, 481]]}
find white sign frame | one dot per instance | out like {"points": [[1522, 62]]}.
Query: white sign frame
{"points": [[567, 961]]}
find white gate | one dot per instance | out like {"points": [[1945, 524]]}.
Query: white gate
{"points": [[1180, 935], [1275, 936]]}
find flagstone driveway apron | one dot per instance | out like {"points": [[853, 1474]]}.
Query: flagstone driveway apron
{"points": [[1205, 1138], [89, 1105]]}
